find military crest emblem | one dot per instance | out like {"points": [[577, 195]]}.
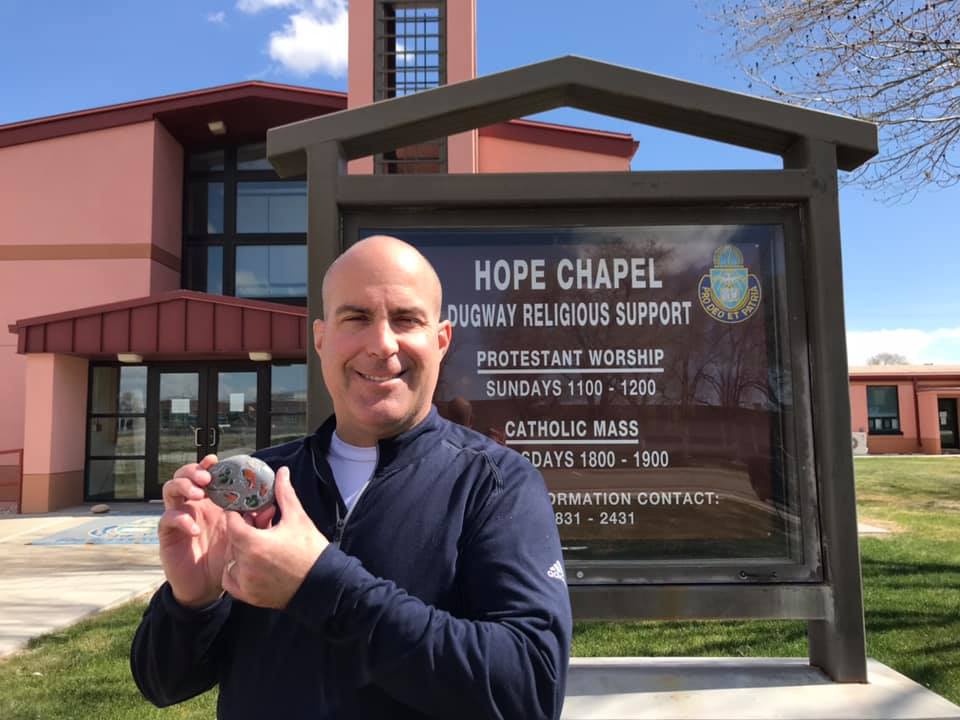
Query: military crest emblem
{"points": [[729, 292]]}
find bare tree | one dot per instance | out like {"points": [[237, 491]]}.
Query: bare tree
{"points": [[893, 62], [886, 358]]}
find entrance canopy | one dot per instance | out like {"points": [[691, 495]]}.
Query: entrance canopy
{"points": [[178, 325]]}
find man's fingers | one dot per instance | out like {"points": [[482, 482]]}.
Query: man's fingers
{"points": [[178, 521], [286, 496], [208, 461], [179, 490]]}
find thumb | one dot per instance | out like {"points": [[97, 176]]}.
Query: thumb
{"points": [[287, 499], [238, 532]]}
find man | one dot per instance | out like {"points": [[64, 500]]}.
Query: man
{"points": [[411, 568]]}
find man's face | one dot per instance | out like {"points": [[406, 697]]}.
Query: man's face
{"points": [[381, 342]]}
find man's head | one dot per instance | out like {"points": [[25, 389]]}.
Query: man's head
{"points": [[381, 339]]}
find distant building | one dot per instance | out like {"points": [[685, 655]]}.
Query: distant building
{"points": [[906, 408], [153, 265]]}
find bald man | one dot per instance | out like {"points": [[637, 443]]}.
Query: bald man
{"points": [[411, 567]]}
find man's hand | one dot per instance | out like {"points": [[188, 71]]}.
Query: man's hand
{"points": [[192, 535], [265, 566]]}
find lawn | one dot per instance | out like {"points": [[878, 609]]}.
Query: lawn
{"points": [[911, 581], [911, 587]]}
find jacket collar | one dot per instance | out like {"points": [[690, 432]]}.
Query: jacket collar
{"points": [[398, 451]]}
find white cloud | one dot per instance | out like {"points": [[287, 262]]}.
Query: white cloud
{"points": [[313, 39], [940, 347], [404, 57], [254, 6], [217, 18]]}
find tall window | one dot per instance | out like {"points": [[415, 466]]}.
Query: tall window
{"points": [[411, 55], [245, 229], [117, 433], [883, 410]]}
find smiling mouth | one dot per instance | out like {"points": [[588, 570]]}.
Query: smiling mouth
{"points": [[379, 378]]}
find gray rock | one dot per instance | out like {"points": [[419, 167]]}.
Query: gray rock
{"points": [[241, 483], [100, 509]]}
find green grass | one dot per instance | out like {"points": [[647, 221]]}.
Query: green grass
{"points": [[911, 596], [911, 584], [83, 672]]}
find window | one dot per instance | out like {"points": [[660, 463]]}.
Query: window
{"points": [[271, 271], [272, 207], [245, 230], [883, 410], [288, 403], [205, 208], [410, 41], [117, 433]]}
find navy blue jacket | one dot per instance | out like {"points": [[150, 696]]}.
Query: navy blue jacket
{"points": [[446, 597]]}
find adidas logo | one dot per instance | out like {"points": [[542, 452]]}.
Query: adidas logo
{"points": [[556, 571]]}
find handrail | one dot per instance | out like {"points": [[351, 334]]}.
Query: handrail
{"points": [[19, 452]]}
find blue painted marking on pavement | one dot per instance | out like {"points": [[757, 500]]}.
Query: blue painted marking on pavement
{"points": [[116, 530]]}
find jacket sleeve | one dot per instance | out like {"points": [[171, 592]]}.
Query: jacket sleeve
{"points": [[507, 660], [174, 655]]}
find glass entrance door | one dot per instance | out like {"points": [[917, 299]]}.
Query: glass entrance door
{"points": [[200, 410], [235, 429], [947, 410], [181, 425]]}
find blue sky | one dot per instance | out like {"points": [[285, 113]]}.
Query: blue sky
{"points": [[901, 266]]}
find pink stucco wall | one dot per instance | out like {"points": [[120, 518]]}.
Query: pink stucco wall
{"points": [[463, 149], [498, 155], [167, 194], [89, 188], [55, 419], [54, 431], [929, 421], [360, 68], [107, 188], [858, 407], [360, 54]]}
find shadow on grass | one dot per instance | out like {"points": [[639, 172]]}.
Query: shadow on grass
{"points": [[889, 620], [697, 639]]}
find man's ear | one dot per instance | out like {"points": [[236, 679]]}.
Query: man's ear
{"points": [[318, 327], [444, 336]]}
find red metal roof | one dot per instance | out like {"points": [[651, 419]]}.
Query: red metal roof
{"points": [[249, 108], [178, 325]]}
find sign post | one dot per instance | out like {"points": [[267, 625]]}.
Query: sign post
{"points": [[668, 348]]}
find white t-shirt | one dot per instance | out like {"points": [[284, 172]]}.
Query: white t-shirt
{"points": [[352, 468]]}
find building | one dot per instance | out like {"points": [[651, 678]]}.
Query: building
{"points": [[906, 408], [154, 285]]}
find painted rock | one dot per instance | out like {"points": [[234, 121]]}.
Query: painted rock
{"points": [[241, 483]]}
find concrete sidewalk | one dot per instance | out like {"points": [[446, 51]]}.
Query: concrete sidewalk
{"points": [[44, 588]]}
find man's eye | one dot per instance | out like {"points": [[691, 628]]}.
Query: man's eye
{"points": [[409, 321]]}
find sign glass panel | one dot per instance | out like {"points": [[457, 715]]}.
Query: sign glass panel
{"points": [[645, 370]]}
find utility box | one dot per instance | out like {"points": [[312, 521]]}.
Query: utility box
{"points": [[860, 443]]}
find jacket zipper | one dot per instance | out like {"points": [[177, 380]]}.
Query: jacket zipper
{"points": [[342, 521]]}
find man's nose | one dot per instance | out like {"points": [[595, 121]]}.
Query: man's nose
{"points": [[383, 340]]}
